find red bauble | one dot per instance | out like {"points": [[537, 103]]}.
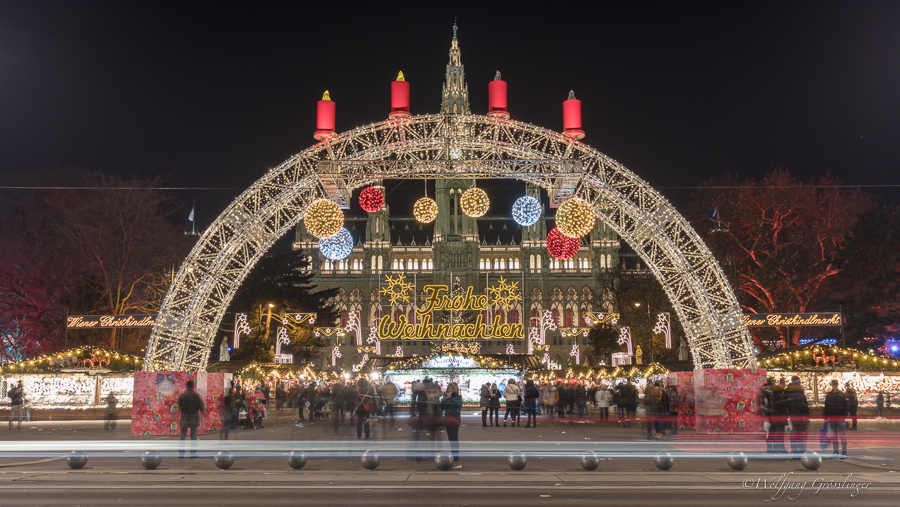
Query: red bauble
{"points": [[560, 246], [371, 199]]}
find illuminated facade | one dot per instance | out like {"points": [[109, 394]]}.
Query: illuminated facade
{"points": [[475, 251]]}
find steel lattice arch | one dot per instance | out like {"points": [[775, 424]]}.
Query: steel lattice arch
{"points": [[448, 146]]}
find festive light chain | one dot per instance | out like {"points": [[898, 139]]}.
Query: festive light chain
{"points": [[474, 202], [864, 360], [323, 218], [575, 218], [425, 210], [664, 327], [526, 211], [338, 246], [72, 359], [560, 246], [371, 199], [505, 294]]}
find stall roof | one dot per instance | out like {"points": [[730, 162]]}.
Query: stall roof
{"points": [[819, 357], [245, 366]]}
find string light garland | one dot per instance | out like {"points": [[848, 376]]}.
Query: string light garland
{"points": [[323, 218], [371, 199], [561, 246], [338, 246], [830, 357], [474, 202], [575, 218], [425, 210], [526, 210], [87, 358]]}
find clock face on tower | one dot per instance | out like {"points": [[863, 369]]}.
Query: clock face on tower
{"points": [[455, 153]]}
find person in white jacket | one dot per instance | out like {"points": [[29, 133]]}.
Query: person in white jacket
{"points": [[512, 394], [604, 400]]}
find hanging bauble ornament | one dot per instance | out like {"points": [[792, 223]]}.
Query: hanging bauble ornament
{"points": [[474, 202], [323, 218], [526, 210], [425, 210], [575, 218], [560, 246], [338, 246], [371, 199]]}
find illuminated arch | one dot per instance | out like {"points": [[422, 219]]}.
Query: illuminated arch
{"points": [[432, 146]]}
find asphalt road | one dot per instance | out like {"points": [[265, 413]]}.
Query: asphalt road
{"points": [[494, 495]]}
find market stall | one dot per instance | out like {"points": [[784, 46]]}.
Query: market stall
{"points": [[817, 365], [74, 384]]}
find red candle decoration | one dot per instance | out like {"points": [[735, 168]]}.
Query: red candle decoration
{"points": [[371, 199], [497, 97], [399, 97], [325, 118], [572, 117], [560, 246]]}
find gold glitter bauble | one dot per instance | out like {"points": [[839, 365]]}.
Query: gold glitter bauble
{"points": [[474, 202], [323, 218], [575, 218], [425, 210]]}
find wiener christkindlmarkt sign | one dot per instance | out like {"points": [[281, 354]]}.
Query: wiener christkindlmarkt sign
{"points": [[441, 298], [792, 319], [109, 321]]}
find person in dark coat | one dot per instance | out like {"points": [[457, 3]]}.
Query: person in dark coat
{"points": [[837, 408], [365, 403], [579, 396], [17, 403], [483, 402], [854, 404], [191, 406], [771, 401], [451, 405], [531, 395], [494, 406], [798, 410]]}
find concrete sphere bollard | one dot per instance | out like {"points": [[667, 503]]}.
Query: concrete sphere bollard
{"points": [[151, 460], [517, 461], [297, 459], [369, 460], [224, 459], [664, 460], [811, 460], [443, 461], [77, 459], [737, 460], [590, 461]]}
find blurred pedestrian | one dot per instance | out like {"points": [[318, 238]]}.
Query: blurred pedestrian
{"points": [[451, 404], [603, 399], [389, 392], [771, 403], [485, 395], [837, 408], [854, 405], [798, 410], [511, 393], [579, 396], [191, 405], [27, 404], [550, 399], [16, 405], [280, 398], [227, 417], [672, 415], [531, 395], [111, 402], [365, 403], [879, 405]]}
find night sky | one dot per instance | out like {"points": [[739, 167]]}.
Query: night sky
{"points": [[215, 93]]}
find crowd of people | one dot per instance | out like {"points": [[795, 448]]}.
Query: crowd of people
{"points": [[786, 410]]}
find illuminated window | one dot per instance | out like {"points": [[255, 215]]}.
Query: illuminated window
{"points": [[513, 316], [569, 317]]}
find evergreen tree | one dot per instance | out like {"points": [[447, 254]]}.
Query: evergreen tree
{"points": [[284, 281]]}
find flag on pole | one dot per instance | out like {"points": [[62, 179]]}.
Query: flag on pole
{"points": [[191, 216]]}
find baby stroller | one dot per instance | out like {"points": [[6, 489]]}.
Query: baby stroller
{"points": [[318, 411]]}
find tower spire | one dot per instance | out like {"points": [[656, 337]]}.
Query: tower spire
{"points": [[455, 99]]}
